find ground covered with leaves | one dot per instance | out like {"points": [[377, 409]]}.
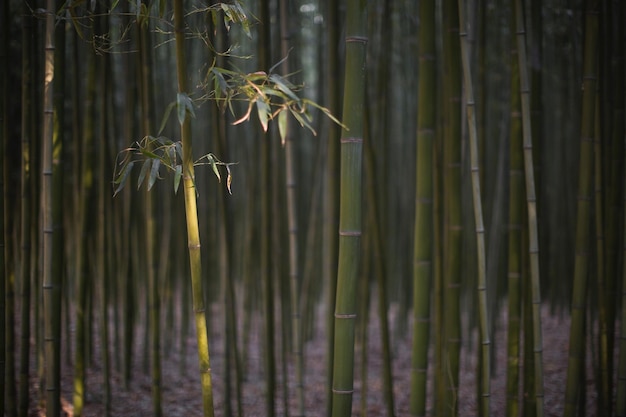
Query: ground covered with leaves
{"points": [[182, 395]]}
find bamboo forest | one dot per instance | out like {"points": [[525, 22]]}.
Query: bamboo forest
{"points": [[312, 208]]}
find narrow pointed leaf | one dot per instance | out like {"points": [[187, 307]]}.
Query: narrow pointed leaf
{"points": [[216, 171], [229, 180], [284, 86], [123, 177], [143, 172], [282, 126], [154, 173], [178, 173], [263, 109], [166, 115]]}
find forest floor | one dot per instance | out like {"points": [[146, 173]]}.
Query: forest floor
{"points": [[182, 395]]}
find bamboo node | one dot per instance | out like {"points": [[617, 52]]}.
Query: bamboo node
{"points": [[349, 233], [343, 391], [361, 39], [351, 140], [345, 316]]}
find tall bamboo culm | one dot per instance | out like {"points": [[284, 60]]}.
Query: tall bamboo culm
{"points": [[331, 201], [485, 374], [583, 212], [292, 219], [4, 131], [191, 215], [531, 202], [349, 209], [448, 381], [515, 224], [53, 393], [423, 233]]}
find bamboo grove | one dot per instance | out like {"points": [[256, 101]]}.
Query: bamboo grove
{"points": [[312, 207]]}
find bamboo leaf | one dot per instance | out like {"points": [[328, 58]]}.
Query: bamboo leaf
{"points": [[179, 150], [213, 164], [154, 173], [263, 110], [166, 115], [123, 177], [178, 173], [284, 86], [282, 126], [184, 105], [148, 154], [143, 172], [229, 180], [326, 112]]}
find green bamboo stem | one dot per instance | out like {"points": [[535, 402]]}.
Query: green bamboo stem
{"points": [[514, 268], [150, 247], [478, 218], [331, 200], [53, 393], [620, 396], [453, 224], [375, 248], [101, 244], [583, 215], [349, 209], [423, 233], [85, 202], [4, 133], [191, 215], [26, 173], [604, 298], [292, 225], [531, 199]]}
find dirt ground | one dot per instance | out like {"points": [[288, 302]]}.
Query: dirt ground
{"points": [[181, 387]]}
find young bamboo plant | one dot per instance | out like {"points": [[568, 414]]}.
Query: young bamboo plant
{"points": [[273, 96]]}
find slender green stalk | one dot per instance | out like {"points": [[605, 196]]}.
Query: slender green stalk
{"points": [[478, 218], [150, 247], [453, 224], [620, 396], [375, 248], [292, 220], [53, 389], [85, 203], [604, 298], [620, 403], [331, 200], [349, 209], [28, 47], [423, 233], [531, 201], [191, 215], [514, 268], [583, 214], [4, 133]]}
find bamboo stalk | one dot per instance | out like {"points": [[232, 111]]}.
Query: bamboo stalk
{"points": [[191, 215], [478, 218], [531, 201], [583, 214], [350, 211]]}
